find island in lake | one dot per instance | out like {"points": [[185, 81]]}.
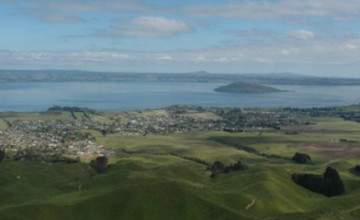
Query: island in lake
{"points": [[244, 87]]}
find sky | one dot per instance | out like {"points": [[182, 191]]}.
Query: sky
{"points": [[313, 37]]}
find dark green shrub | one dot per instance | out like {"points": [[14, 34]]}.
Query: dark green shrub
{"points": [[219, 167], [357, 168], [302, 158], [2, 155], [235, 167], [99, 164], [333, 184]]}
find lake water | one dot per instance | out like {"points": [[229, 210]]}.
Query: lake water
{"points": [[143, 95]]}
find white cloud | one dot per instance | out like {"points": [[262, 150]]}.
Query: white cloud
{"points": [[44, 56], [59, 18], [285, 52], [97, 56], [263, 60], [198, 58], [301, 34], [83, 5], [318, 56], [352, 45], [339, 10], [146, 27], [336, 9], [164, 57], [96, 5], [70, 11], [221, 59], [254, 33]]}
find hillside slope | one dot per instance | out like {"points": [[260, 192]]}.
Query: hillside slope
{"points": [[157, 177]]}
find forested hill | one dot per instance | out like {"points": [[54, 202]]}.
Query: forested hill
{"points": [[242, 87], [8, 76]]}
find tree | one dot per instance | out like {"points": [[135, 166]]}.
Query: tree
{"points": [[99, 164], [333, 184], [302, 158], [2, 155], [357, 168], [235, 167], [218, 165]]}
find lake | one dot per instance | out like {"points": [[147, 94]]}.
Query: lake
{"points": [[142, 95]]}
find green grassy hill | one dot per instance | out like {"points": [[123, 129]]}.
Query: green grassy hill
{"points": [[153, 179]]}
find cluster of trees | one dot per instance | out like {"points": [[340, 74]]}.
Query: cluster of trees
{"points": [[219, 167], [357, 168], [61, 159], [100, 164], [31, 154], [302, 158], [71, 109], [328, 184], [350, 116]]}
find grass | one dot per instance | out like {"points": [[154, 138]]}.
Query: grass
{"points": [[154, 181], [153, 187], [3, 125]]}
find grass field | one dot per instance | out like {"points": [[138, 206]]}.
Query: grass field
{"points": [[151, 179], [3, 125]]}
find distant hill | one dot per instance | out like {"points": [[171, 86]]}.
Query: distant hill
{"points": [[243, 87], [13, 76]]}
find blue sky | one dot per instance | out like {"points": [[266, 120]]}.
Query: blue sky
{"points": [[315, 37]]}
